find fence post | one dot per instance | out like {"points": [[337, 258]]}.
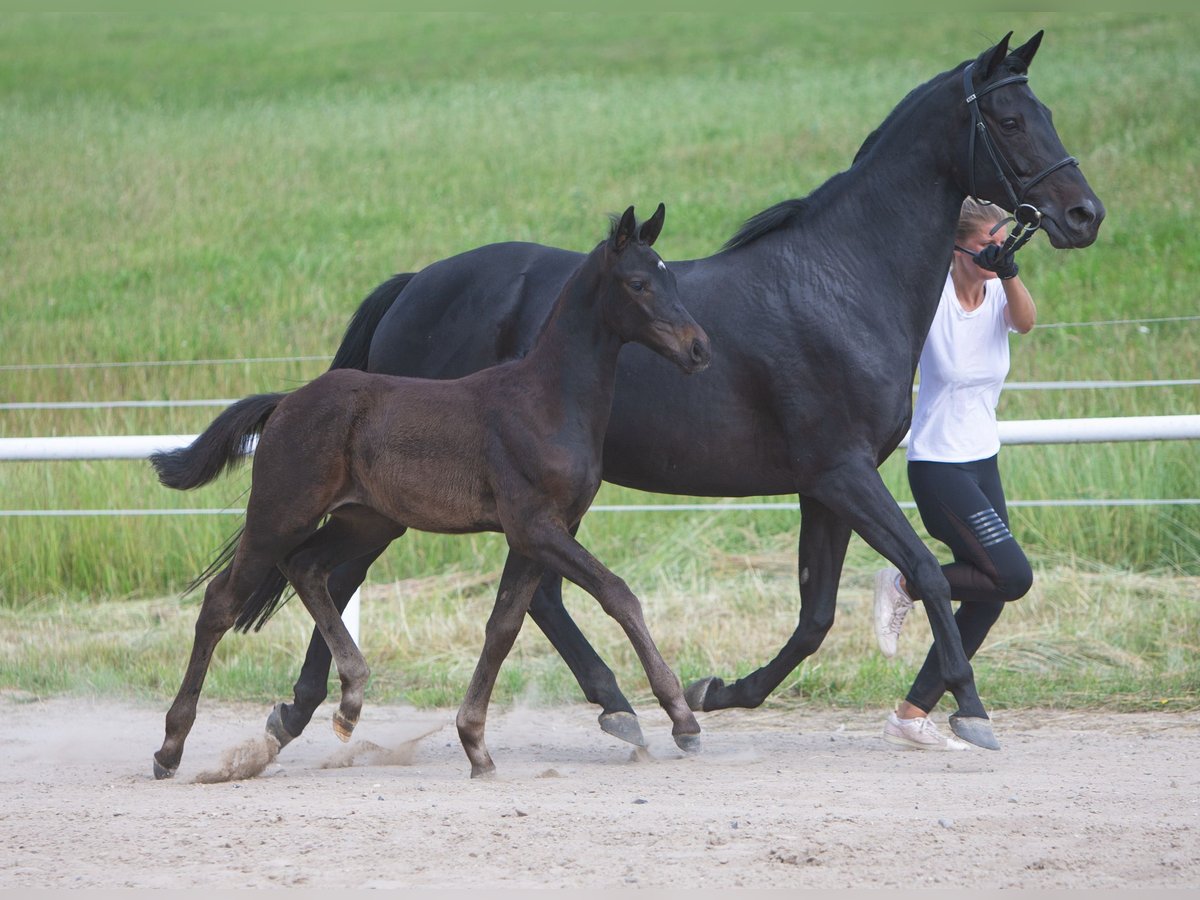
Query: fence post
{"points": [[351, 615]]}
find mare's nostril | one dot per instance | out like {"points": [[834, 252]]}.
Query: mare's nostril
{"points": [[1083, 215]]}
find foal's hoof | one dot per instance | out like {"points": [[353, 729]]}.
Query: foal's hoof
{"points": [[276, 728], [161, 771], [623, 725], [688, 743], [343, 727], [975, 731], [698, 691]]}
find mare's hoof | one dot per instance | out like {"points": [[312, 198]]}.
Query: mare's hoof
{"points": [[698, 691], [276, 728], [343, 727], [488, 771], [688, 743], [161, 771], [623, 725], [975, 730]]}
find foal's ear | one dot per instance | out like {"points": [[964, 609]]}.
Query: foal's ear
{"points": [[1026, 51], [651, 228], [990, 59], [625, 230]]}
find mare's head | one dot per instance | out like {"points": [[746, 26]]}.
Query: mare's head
{"points": [[641, 302], [1014, 156]]}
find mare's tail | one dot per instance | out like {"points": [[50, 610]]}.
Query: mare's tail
{"points": [[223, 445], [356, 343]]}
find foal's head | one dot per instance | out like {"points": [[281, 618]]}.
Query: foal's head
{"points": [[641, 302]]}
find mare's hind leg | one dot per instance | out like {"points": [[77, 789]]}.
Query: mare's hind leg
{"points": [[287, 721], [556, 549], [343, 537], [594, 676], [823, 540], [517, 585]]}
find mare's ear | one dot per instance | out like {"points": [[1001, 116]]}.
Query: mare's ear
{"points": [[624, 231], [1026, 51], [651, 228], [992, 58]]}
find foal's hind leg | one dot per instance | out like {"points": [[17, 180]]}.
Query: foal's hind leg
{"points": [[217, 615], [517, 585], [343, 537], [287, 721]]}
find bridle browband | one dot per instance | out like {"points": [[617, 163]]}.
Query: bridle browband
{"points": [[1027, 216]]}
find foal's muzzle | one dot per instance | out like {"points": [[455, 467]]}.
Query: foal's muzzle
{"points": [[697, 353]]}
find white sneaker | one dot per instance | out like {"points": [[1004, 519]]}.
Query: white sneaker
{"points": [[918, 734], [891, 606]]}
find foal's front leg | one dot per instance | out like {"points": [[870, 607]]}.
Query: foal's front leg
{"points": [[517, 584]]}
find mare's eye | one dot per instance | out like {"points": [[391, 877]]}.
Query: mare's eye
{"points": [[1009, 125]]}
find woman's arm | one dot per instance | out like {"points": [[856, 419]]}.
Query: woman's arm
{"points": [[1021, 312]]}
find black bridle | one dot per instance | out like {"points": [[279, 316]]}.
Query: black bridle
{"points": [[1027, 216]]}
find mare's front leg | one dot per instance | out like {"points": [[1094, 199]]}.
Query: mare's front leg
{"points": [[555, 548], [517, 584], [594, 676], [287, 721], [823, 540]]}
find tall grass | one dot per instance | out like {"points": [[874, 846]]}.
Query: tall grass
{"points": [[231, 186], [1086, 636]]}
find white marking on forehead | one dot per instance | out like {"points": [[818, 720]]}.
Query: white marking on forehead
{"points": [[661, 264]]}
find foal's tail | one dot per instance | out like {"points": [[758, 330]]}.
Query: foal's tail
{"points": [[263, 601], [222, 446], [356, 343]]}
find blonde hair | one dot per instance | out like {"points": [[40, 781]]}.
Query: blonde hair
{"points": [[975, 216]]}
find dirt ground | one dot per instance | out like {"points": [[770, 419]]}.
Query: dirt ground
{"points": [[803, 798]]}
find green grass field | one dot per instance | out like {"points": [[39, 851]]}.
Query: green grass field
{"points": [[230, 187]]}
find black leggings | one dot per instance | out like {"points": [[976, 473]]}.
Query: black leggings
{"points": [[962, 505]]}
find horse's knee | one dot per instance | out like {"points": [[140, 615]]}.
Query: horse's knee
{"points": [[927, 582], [812, 631]]}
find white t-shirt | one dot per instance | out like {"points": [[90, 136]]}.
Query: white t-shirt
{"points": [[963, 366]]}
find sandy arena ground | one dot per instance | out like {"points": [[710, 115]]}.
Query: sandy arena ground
{"points": [[807, 798]]}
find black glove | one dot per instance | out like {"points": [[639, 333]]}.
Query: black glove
{"points": [[994, 259]]}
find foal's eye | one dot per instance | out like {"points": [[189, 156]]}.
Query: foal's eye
{"points": [[637, 286]]}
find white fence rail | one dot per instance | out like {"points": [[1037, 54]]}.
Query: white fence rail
{"points": [[1046, 431], [1020, 431]]}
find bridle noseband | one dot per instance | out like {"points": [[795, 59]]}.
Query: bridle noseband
{"points": [[1028, 217]]}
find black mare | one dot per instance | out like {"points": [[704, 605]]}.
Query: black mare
{"points": [[817, 310]]}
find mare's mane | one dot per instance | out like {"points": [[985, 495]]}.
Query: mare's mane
{"points": [[789, 211]]}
